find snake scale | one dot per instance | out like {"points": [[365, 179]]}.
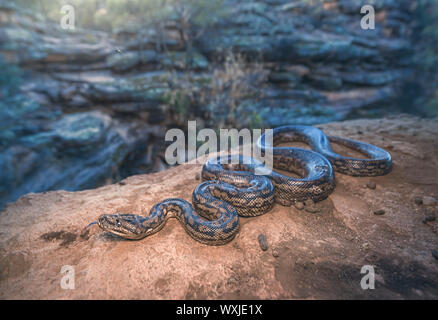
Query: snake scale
{"points": [[232, 189]]}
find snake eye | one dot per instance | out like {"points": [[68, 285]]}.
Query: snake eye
{"points": [[118, 223]]}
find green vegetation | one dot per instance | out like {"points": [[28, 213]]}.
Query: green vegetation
{"points": [[223, 93], [113, 15], [180, 102]]}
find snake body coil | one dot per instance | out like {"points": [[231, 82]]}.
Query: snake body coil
{"points": [[233, 188]]}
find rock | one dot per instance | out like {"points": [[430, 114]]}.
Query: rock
{"points": [[310, 206], [418, 201], [325, 82], [78, 101], [379, 212], [284, 77], [312, 209], [262, 242], [371, 185], [373, 78], [299, 205], [329, 54], [130, 91], [182, 60], [275, 253], [67, 93], [429, 201], [170, 264], [197, 176], [429, 218], [121, 62], [80, 151], [435, 254]]}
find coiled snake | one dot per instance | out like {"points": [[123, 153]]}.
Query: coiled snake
{"points": [[231, 190]]}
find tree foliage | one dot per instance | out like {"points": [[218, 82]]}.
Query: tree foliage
{"points": [[111, 15]]}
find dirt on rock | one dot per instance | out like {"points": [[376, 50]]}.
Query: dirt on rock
{"points": [[311, 255]]}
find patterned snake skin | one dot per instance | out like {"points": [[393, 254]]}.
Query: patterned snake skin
{"points": [[233, 188]]}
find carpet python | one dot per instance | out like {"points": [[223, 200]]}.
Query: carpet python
{"points": [[232, 189]]}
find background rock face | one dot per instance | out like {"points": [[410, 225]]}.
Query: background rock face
{"points": [[309, 255], [79, 150], [85, 108]]}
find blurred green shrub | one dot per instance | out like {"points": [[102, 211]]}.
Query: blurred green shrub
{"points": [[111, 15], [230, 84]]}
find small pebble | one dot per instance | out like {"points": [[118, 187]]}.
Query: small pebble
{"points": [[299, 205], [418, 201], [275, 253], [197, 176], [85, 234], [371, 185], [312, 209], [429, 219], [435, 253], [379, 212], [429, 201], [122, 183], [262, 242], [309, 202]]}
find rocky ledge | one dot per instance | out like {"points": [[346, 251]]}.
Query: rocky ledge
{"points": [[316, 252]]}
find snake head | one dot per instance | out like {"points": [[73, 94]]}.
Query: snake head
{"points": [[127, 226]]}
